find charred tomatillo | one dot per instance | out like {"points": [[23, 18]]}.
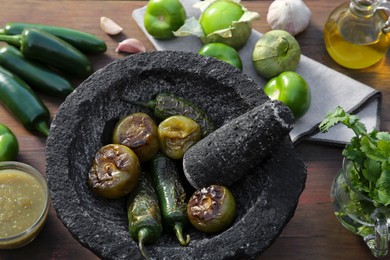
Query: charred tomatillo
{"points": [[162, 17], [222, 52], [291, 89], [9, 146], [211, 209]]}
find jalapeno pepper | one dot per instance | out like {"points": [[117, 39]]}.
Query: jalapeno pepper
{"points": [[144, 215], [167, 104], [171, 195], [18, 98], [85, 42], [36, 75], [51, 50], [9, 145]]}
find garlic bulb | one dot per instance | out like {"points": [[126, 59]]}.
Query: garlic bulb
{"points": [[289, 15], [131, 45], [109, 26]]}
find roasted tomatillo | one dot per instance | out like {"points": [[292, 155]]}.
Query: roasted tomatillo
{"points": [[292, 89], [115, 171], [9, 146], [211, 209], [222, 52], [177, 134], [162, 17], [138, 131]]}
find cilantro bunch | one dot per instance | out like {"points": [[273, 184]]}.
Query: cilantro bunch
{"points": [[369, 154]]}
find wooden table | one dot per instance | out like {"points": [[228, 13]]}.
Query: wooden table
{"points": [[313, 233]]}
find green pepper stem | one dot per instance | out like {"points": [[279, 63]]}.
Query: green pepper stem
{"points": [[15, 40], [43, 128], [178, 227], [150, 104], [143, 234]]}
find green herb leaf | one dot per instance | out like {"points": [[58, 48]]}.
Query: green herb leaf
{"points": [[370, 154]]}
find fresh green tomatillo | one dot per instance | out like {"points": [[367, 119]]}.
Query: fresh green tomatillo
{"points": [[162, 17], [220, 15], [9, 145], [291, 89], [222, 52]]}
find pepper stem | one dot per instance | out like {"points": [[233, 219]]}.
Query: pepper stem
{"points": [[43, 128], [143, 234], [15, 40], [178, 227], [150, 104]]}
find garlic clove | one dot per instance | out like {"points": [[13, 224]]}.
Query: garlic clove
{"points": [[109, 26], [131, 45], [289, 15]]}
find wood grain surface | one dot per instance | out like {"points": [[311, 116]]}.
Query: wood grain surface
{"points": [[313, 233]]}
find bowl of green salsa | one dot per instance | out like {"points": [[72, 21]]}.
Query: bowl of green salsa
{"points": [[24, 204]]}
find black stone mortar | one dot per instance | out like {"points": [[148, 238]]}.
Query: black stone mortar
{"points": [[266, 198]]}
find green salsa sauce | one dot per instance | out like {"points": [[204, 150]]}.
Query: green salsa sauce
{"points": [[22, 201]]}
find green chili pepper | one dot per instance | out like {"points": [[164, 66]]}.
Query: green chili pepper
{"points": [[166, 105], [144, 215], [171, 195], [85, 42], [51, 50], [18, 98], [36, 75], [9, 145]]}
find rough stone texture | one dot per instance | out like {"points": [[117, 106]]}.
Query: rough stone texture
{"points": [[233, 150], [266, 199]]}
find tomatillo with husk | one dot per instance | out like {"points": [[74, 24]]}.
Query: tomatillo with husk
{"points": [[275, 52], [223, 21], [291, 89]]}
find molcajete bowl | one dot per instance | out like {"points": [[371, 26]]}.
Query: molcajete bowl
{"points": [[266, 198]]}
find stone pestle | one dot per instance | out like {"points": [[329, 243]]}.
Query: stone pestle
{"points": [[227, 154]]}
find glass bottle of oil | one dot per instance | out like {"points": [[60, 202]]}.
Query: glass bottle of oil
{"points": [[357, 34]]}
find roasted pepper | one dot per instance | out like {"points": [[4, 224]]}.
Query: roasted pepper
{"points": [[292, 89], [50, 50], [18, 98], [143, 211], [171, 195], [167, 104], [177, 134], [85, 42], [34, 74], [9, 145]]}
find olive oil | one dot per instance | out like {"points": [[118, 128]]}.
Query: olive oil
{"points": [[351, 55], [357, 34]]}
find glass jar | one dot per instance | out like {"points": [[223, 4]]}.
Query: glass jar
{"points": [[359, 214], [357, 33]]}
